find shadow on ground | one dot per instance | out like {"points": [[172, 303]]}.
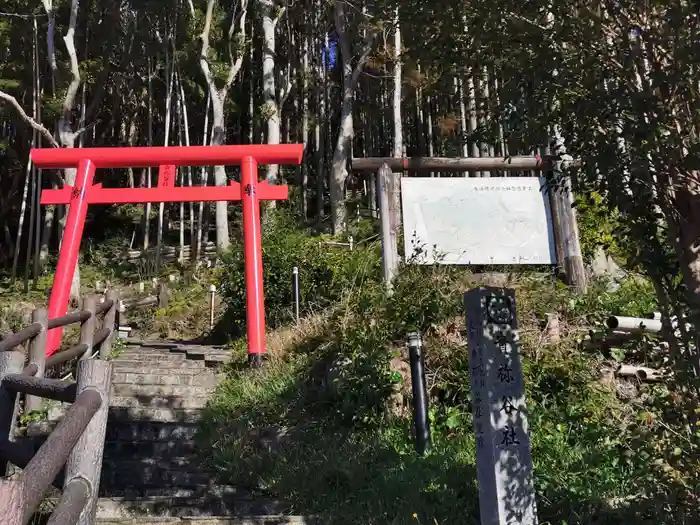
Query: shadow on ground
{"points": [[282, 433]]}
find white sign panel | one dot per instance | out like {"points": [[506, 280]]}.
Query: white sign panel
{"points": [[490, 220]]}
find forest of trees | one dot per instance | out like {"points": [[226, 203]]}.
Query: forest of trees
{"points": [[614, 83]]}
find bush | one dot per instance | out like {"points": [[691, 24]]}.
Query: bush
{"points": [[325, 272], [355, 456]]}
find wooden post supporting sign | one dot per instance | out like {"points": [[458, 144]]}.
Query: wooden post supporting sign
{"points": [[388, 185], [503, 458]]}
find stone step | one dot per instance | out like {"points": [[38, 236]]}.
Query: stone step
{"points": [[196, 504], [128, 365], [148, 431], [122, 474], [149, 449], [120, 428], [144, 356], [141, 413], [135, 350], [222, 357], [203, 379], [159, 402], [160, 415], [121, 390], [246, 520]]}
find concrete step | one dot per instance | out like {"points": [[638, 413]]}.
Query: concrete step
{"points": [[121, 474], [184, 507], [129, 365], [121, 390], [149, 356], [149, 431], [223, 357], [247, 520], [159, 402], [137, 449], [136, 350], [161, 415], [126, 430], [203, 379]]}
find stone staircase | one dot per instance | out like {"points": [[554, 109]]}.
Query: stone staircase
{"points": [[151, 473]]}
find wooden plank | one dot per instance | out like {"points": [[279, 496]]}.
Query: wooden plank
{"points": [[523, 163], [388, 186], [567, 236]]}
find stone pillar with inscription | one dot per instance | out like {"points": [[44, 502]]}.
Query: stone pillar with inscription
{"points": [[503, 458]]}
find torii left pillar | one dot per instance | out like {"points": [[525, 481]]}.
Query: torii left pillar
{"points": [[84, 193]]}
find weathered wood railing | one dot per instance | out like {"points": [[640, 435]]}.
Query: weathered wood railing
{"points": [[77, 442]]}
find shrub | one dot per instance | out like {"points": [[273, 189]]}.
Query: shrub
{"points": [[325, 272]]}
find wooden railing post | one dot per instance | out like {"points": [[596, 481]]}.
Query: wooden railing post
{"points": [[110, 320], [10, 363], [37, 355], [85, 461], [87, 328], [11, 502]]}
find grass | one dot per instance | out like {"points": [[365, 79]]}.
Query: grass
{"points": [[316, 426]]}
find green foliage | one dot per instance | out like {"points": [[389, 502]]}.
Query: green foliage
{"points": [[323, 412], [325, 272], [599, 226]]}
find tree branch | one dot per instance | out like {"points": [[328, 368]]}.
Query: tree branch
{"points": [[204, 37], [29, 120], [69, 40], [236, 62]]}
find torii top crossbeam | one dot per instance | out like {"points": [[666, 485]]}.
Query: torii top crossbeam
{"points": [[145, 157], [84, 192]]}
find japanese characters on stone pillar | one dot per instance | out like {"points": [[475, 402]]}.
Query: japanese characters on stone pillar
{"points": [[503, 458]]}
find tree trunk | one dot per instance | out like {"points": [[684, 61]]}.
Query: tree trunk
{"points": [[304, 182], [170, 74], [217, 139], [218, 98], [345, 134], [149, 175], [320, 136], [462, 119], [204, 176], [66, 134], [186, 130], [270, 19], [398, 128]]}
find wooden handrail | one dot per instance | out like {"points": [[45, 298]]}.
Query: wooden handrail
{"points": [[71, 456], [73, 500], [20, 337], [55, 389], [53, 454], [78, 316], [66, 355]]}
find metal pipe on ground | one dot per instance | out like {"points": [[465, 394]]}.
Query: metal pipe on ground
{"points": [[421, 418], [633, 324]]}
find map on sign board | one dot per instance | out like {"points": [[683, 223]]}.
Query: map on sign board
{"points": [[460, 220]]}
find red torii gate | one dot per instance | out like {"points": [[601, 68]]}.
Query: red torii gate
{"points": [[84, 192]]}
